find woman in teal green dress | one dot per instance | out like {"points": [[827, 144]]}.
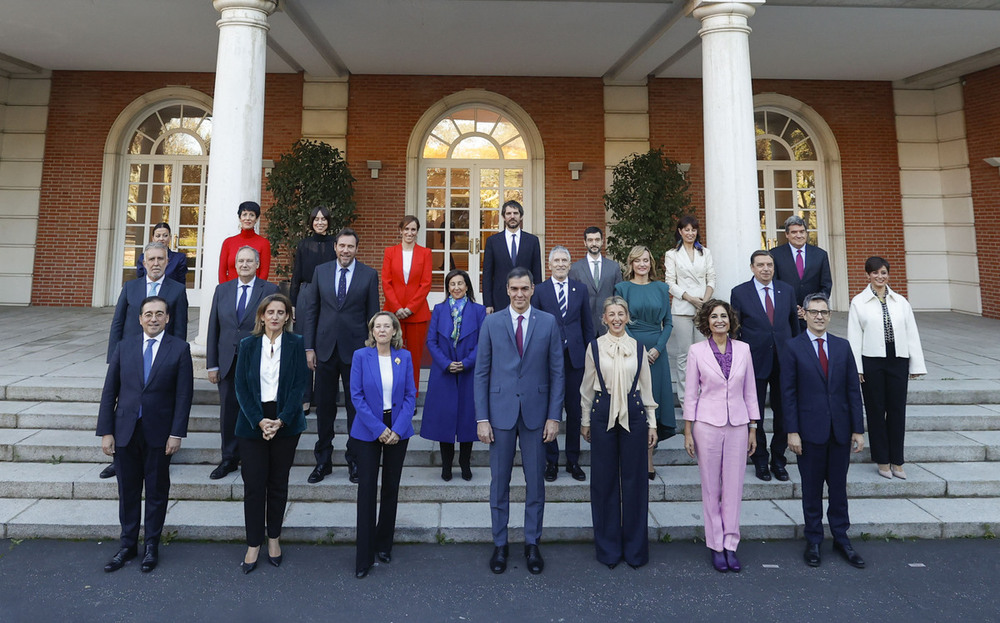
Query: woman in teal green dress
{"points": [[649, 307]]}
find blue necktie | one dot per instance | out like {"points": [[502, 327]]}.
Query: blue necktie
{"points": [[342, 287], [513, 250], [562, 299], [147, 359], [153, 288], [241, 307]]}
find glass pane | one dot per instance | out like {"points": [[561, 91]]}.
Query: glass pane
{"points": [[489, 178], [513, 178], [136, 213], [807, 201], [489, 198], [189, 215], [138, 173], [760, 202], [760, 179], [436, 177], [460, 178], [435, 198], [515, 150], [187, 237], [191, 194], [191, 174], [771, 150], [459, 241], [205, 132], [161, 173], [170, 116], [460, 198], [783, 200], [804, 150], [160, 193], [805, 179], [446, 131], [489, 221], [460, 219], [136, 193], [437, 261], [135, 236], [435, 218], [460, 261], [159, 214], [516, 195], [435, 240], [485, 120], [463, 119], [434, 148], [759, 122], [475, 147], [504, 131], [783, 179], [150, 126], [141, 144], [179, 144]]}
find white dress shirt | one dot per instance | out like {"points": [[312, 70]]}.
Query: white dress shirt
{"points": [[385, 370], [350, 275], [524, 323], [159, 287], [510, 237], [270, 367], [760, 292], [239, 290], [407, 263], [156, 345]]}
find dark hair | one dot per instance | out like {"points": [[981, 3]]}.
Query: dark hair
{"points": [[470, 292], [702, 319], [682, 222], [165, 226], [816, 296], [758, 253], [325, 211], [248, 206], [874, 263], [409, 218], [592, 230], [347, 231], [258, 324], [153, 299], [519, 271], [511, 203]]}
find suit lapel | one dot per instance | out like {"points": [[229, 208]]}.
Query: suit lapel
{"points": [[815, 356], [397, 375], [255, 297], [374, 370], [161, 352]]}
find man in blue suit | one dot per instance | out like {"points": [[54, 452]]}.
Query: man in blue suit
{"points": [[568, 302], [234, 308], [819, 382], [505, 250], [768, 319], [803, 266], [518, 394], [143, 416]]}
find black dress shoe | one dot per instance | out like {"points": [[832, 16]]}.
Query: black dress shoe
{"points": [[226, 467], [498, 561], [576, 472], [108, 472], [275, 560], [319, 473], [762, 472], [780, 472], [612, 565], [384, 556], [811, 554], [118, 561], [551, 472], [466, 472], [352, 474], [849, 554], [247, 567], [150, 559], [446, 473], [534, 559], [362, 573]]}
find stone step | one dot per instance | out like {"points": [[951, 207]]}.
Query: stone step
{"points": [[42, 445], [676, 483], [334, 522]]}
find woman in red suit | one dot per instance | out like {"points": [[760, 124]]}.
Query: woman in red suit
{"points": [[249, 213], [406, 282]]}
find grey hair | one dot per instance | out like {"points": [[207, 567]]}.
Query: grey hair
{"points": [[794, 220], [155, 245], [560, 249], [816, 296], [256, 253]]}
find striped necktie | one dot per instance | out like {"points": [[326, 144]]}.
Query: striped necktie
{"points": [[562, 298]]}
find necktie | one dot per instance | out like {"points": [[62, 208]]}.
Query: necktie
{"points": [[519, 336], [154, 287], [147, 359], [562, 299], [241, 307], [768, 305], [597, 271], [513, 250], [823, 363], [800, 264], [342, 287]]}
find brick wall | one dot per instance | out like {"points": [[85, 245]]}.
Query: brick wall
{"points": [[82, 108], [861, 116], [982, 121]]}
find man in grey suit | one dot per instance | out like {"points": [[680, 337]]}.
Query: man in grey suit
{"points": [[598, 273], [518, 394], [232, 318]]}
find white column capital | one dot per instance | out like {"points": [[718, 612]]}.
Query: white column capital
{"points": [[246, 12], [731, 14]]}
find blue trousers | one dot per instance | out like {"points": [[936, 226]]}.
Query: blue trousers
{"points": [[502, 450]]}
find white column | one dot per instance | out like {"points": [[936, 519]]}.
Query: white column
{"points": [[731, 212], [234, 164]]}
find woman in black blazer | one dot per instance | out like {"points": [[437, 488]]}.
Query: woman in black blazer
{"points": [[270, 380]]}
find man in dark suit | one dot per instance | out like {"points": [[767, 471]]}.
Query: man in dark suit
{"points": [[819, 381], [803, 266], [569, 304], [505, 250], [598, 273], [142, 418], [154, 283], [768, 319], [234, 308], [343, 297], [518, 388]]}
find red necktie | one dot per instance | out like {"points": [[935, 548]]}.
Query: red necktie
{"points": [[823, 363], [768, 305], [519, 337]]}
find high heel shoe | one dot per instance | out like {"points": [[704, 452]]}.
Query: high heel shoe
{"points": [[247, 567], [652, 475], [466, 472], [898, 473], [274, 560], [884, 473], [446, 473]]}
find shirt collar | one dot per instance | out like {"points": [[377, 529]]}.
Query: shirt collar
{"points": [[760, 286], [514, 314], [158, 338], [564, 281], [349, 267], [814, 337], [240, 284]]}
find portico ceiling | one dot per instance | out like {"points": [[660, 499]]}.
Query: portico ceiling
{"points": [[921, 42]]}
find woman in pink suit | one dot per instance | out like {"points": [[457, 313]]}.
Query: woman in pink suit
{"points": [[720, 417], [406, 282]]}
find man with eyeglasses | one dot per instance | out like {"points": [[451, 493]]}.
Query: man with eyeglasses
{"points": [[823, 419]]}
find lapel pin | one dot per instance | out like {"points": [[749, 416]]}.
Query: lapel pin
{"points": [[397, 361]]}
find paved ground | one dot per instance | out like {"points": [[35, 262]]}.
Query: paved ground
{"points": [[906, 581]]}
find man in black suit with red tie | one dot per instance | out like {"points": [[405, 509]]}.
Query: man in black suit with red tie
{"points": [[567, 300], [505, 250], [143, 416], [343, 297], [768, 319], [803, 266]]}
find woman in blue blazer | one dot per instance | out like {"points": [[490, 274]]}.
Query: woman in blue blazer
{"points": [[449, 407], [385, 397], [270, 380], [177, 266]]}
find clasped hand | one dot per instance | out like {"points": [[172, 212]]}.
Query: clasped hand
{"points": [[388, 437], [269, 428]]}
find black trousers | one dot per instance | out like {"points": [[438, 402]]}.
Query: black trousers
{"points": [[819, 463], [377, 536], [464, 453], [229, 410], [138, 465], [265, 481], [884, 391], [571, 403], [779, 440], [330, 376]]}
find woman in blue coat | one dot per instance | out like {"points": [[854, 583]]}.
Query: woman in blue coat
{"points": [[449, 411]]}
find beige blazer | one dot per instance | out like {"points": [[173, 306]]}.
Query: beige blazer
{"points": [[682, 275]]}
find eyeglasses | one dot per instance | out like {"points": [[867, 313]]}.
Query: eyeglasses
{"points": [[818, 313]]}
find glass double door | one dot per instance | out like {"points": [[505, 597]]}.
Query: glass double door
{"points": [[461, 210], [783, 190]]}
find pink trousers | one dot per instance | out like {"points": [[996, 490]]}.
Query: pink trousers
{"points": [[722, 460]]}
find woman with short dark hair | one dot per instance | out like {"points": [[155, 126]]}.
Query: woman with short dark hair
{"points": [[248, 213]]}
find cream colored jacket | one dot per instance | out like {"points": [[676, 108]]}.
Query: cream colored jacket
{"points": [[867, 336], [682, 275]]}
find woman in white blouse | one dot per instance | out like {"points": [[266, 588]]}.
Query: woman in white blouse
{"points": [[883, 336], [616, 398], [690, 274]]}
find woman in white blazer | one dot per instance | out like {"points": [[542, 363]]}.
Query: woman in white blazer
{"points": [[886, 345], [690, 275], [720, 420]]}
